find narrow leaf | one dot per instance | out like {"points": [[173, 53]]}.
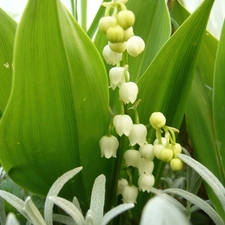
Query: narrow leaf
{"points": [[218, 100], [33, 213], [206, 175], [14, 201], [69, 208], [63, 219], [199, 202], [54, 191], [98, 199], [116, 211], [2, 212]]}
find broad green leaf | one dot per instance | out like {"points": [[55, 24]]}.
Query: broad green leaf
{"points": [[7, 35], [199, 108], [166, 83], [58, 109], [218, 101]]}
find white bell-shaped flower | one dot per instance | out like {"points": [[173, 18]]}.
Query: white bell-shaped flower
{"points": [[145, 166], [163, 140], [157, 148], [110, 56], [128, 92], [130, 194], [135, 46], [157, 120], [132, 157], [120, 185], [145, 182], [146, 151], [117, 76], [123, 124], [108, 146], [138, 134]]}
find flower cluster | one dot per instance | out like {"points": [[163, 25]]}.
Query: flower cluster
{"points": [[118, 27], [140, 153], [165, 148]]}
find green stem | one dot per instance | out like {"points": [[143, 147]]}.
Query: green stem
{"points": [[116, 172], [74, 8]]}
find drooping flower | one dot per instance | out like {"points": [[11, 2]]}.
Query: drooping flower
{"points": [[117, 76], [135, 46], [166, 155], [120, 185], [145, 182], [176, 164], [109, 146], [106, 22], [145, 166], [146, 151], [157, 120], [110, 56], [132, 157], [130, 194], [123, 124], [125, 19], [138, 134], [128, 92]]}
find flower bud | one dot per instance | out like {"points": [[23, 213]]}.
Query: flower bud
{"points": [[135, 46], [117, 76], [115, 34], [130, 194], [132, 157], [176, 164], [125, 19], [119, 47], [145, 182], [120, 185], [128, 34], [106, 22], [110, 56], [157, 120], [128, 92], [109, 146], [146, 151], [177, 148], [123, 124], [145, 166], [157, 148], [138, 134], [166, 155]]}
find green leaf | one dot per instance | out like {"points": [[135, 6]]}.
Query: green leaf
{"points": [[199, 107], [58, 109], [166, 83], [7, 35], [218, 100], [152, 24]]}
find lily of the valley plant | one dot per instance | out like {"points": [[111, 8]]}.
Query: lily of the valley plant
{"points": [[111, 99]]}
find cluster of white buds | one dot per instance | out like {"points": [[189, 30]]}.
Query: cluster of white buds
{"points": [[118, 27], [165, 148]]}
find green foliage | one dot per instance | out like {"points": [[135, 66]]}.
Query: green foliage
{"points": [[59, 104]]}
